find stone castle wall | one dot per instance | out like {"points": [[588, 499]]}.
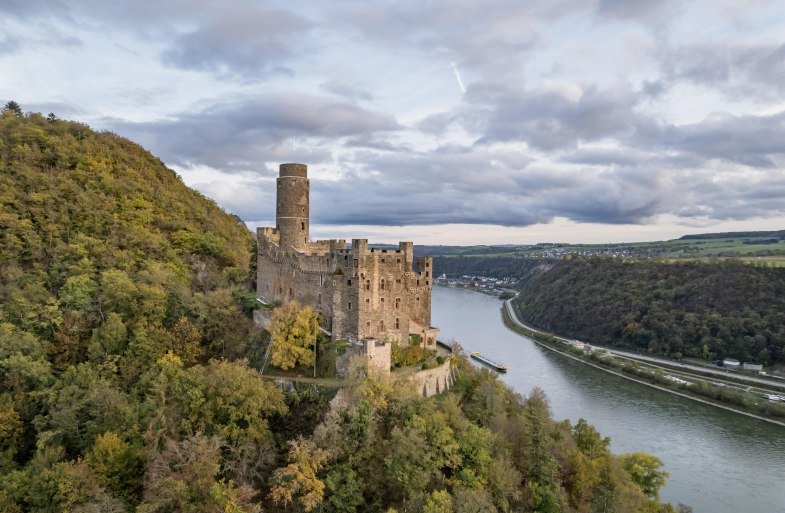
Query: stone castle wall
{"points": [[435, 381], [360, 292]]}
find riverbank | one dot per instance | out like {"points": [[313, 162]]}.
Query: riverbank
{"points": [[643, 376]]}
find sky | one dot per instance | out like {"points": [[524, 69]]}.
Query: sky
{"points": [[460, 122]]}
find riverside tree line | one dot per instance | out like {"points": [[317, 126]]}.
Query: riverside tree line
{"points": [[677, 309]]}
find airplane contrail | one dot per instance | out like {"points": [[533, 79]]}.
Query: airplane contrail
{"points": [[458, 77]]}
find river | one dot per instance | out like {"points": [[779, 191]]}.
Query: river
{"points": [[719, 462]]}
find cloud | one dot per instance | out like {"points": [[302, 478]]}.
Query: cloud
{"points": [[751, 72], [245, 43], [8, 44], [642, 10], [346, 90], [233, 39], [243, 134], [755, 141], [549, 120]]}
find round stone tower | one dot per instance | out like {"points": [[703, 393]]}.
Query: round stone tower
{"points": [[291, 212]]}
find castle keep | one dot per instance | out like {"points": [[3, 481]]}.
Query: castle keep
{"points": [[367, 296]]}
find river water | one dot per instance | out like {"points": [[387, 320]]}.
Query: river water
{"points": [[719, 462]]}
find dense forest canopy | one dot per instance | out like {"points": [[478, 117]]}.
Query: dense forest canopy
{"points": [[706, 310], [124, 388]]}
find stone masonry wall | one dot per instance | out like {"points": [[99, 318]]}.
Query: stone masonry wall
{"points": [[434, 381]]}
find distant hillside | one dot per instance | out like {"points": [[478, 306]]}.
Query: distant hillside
{"points": [[779, 234], [708, 310]]}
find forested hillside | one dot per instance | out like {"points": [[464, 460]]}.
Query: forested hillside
{"points": [[707, 310], [123, 388]]}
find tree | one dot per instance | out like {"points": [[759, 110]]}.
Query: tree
{"points": [[293, 330], [438, 501], [185, 341], [13, 108], [345, 489], [118, 466], [298, 480], [644, 470]]}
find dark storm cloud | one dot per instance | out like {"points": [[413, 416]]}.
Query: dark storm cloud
{"points": [[243, 134]]}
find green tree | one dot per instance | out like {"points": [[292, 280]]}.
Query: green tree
{"points": [[344, 489], [644, 470], [293, 329], [13, 108], [117, 465], [438, 501]]}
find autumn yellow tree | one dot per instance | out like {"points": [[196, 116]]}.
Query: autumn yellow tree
{"points": [[298, 480], [293, 329]]}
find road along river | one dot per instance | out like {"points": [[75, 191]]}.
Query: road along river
{"points": [[719, 462]]}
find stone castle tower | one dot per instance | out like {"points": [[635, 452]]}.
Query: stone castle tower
{"points": [[363, 294], [291, 207]]}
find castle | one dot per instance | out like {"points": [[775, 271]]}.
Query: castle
{"points": [[368, 297]]}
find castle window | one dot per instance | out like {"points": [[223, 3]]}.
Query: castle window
{"points": [[398, 261], [427, 264], [355, 262], [426, 274], [381, 325], [367, 301], [382, 260], [368, 285], [397, 323], [349, 282], [382, 300], [427, 282], [320, 300], [397, 303], [302, 225], [350, 305], [417, 299], [368, 328], [418, 282], [381, 284]]}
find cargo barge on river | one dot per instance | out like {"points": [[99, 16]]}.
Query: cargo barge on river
{"points": [[490, 363]]}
